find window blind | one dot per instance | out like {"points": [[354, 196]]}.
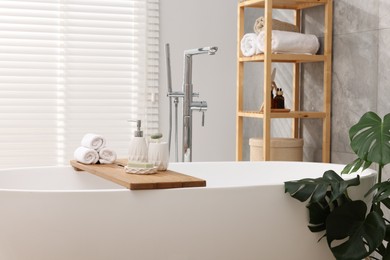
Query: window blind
{"points": [[70, 67]]}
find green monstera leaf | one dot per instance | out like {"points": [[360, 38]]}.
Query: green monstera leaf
{"points": [[350, 234], [370, 140], [386, 255], [381, 193], [325, 193], [319, 211], [316, 189]]}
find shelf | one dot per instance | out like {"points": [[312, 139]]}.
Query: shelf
{"points": [[277, 57], [295, 116], [291, 114], [284, 4]]}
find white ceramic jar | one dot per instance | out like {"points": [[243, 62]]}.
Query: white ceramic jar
{"points": [[158, 155]]}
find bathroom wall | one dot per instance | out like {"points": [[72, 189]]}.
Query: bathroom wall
{"points": [[187, 24], [361, 61]]}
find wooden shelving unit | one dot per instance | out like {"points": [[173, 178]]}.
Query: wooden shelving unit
{"points": [[268, 58]]}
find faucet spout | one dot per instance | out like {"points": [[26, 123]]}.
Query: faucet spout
{"points": [[209, 50]]}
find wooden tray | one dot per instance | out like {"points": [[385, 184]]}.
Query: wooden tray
{"points": [[280, 110], [161, 180]]}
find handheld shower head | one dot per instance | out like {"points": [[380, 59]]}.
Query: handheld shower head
{"points": [[168, 63]]}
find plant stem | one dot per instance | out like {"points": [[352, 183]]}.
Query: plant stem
{"points": [[379, 181], [380, 174]]}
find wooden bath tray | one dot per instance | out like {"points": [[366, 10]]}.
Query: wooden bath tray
{"points": [[161, 180]]}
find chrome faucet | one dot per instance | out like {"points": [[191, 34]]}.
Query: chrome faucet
{"points": [[188, 104]]}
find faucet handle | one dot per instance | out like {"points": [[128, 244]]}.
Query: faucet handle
{"points": [[175, 94], [200, 106]]}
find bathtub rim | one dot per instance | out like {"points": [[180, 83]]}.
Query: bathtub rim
{"points": [[368, 173]]}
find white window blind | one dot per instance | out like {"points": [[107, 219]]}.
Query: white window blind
{"points": [[70, 67]]}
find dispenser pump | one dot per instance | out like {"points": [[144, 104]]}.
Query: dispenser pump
{"points": [[138, 132], [138, 149]]}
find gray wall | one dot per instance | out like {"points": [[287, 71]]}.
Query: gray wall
{"points": [[361, 67], [361, 62]]}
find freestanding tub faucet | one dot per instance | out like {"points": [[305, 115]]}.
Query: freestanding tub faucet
{"points": [[188, 103]]}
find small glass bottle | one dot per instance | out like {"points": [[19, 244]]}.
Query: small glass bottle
{"points": [[279, 99]]}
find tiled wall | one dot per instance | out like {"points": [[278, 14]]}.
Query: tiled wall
{"points": [[360, 79]]}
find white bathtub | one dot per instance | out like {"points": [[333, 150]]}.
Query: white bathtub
{"points": [[56, 213]]}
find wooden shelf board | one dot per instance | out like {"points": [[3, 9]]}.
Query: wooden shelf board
{"points": [[284, 4], [275, 57], [291, 114]]}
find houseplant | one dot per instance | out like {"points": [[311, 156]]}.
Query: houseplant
{"points": [[351, 233]]}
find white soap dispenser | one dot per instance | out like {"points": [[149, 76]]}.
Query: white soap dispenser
{"points": [[138, 150]]}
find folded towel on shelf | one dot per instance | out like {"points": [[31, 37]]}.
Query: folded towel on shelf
{"points": [[276, 25], [93, 141], [107, 155], [290, 42], [249, 45], [86, 155]]}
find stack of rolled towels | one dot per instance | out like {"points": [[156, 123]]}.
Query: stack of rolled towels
{"points": [[285, 38], [93, 150]]}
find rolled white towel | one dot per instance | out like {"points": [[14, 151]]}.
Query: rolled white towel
{"points": [[276, 25], [290, 42], [107, 155], [249, 45], [93, 141], [86, 155]]}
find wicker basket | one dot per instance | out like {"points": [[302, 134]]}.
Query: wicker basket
{"points": [[282, 149]]}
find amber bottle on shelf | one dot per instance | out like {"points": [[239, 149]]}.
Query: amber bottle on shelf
{"points": [[278, 101]]}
